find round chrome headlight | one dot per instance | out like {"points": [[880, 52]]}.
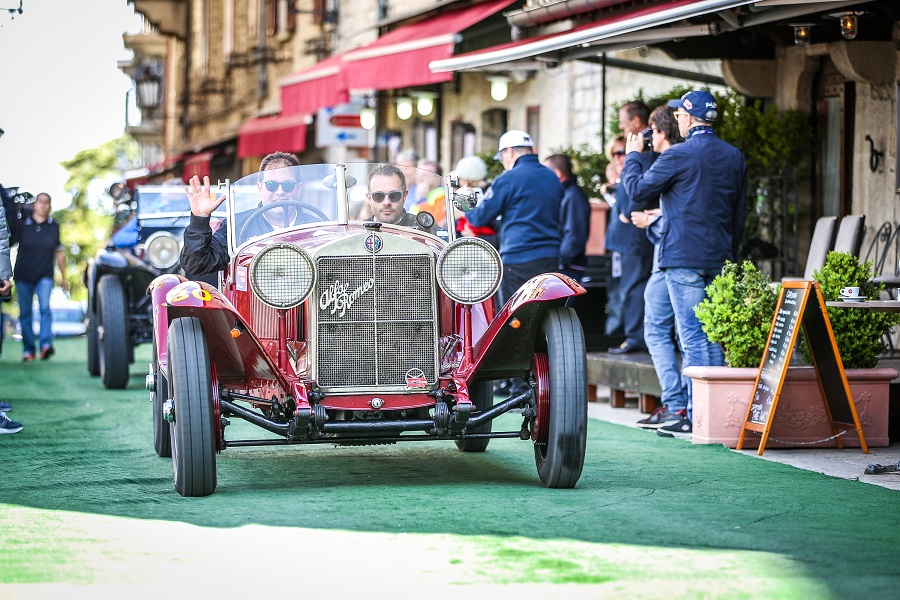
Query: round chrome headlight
{"points": [[282, 275], [163, 249], [469, 270]]}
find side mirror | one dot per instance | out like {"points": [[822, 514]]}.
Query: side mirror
{"points": [[466, 198]]}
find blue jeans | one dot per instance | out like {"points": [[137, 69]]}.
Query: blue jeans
{"points": [[687, 290], [659, 335], [27, 290]]}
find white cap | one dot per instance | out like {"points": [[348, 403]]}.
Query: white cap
{"points": [[513, 138]]}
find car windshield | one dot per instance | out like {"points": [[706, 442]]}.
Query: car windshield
{"points": [[165, 201], [294, 196]]}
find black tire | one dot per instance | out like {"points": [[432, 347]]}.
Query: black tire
{"points": [[560, 461], [112, 333], [482, 395], [192, 433], [93, 343], [162, 434]]}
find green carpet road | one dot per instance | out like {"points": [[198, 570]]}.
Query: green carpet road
{"points": [[88, 509]]}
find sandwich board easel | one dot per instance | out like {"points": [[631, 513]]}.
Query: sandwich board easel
{"points": [[790, 314]]}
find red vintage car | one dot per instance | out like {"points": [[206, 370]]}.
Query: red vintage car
{"points": [[328, 328]]}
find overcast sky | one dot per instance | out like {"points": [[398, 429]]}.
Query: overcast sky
{"points": [[60, 89]]}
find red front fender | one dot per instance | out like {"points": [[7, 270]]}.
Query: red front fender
{"points": [[241, 357], [506, 347]]}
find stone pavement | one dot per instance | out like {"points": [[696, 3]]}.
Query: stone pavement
{"points": [[848, 463]]}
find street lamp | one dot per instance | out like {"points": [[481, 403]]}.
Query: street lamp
{"points": [[148, 79]]}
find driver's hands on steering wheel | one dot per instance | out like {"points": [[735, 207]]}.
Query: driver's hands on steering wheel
{"points": [[202, 204]]}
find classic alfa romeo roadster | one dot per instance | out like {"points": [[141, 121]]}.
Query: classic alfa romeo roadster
{"points": [[329, 327]]}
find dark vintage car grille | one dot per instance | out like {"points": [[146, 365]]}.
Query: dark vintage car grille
{"points": [[388, 326]]}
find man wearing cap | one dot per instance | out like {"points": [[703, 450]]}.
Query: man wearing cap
{"points": [[702, 184], [527, 198], [635, 252]]}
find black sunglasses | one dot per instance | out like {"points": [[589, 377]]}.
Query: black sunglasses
{"points": [[619, 153], [287, 186], [395, 196]]}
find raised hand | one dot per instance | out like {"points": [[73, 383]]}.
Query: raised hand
{"points": [[202, 204]]}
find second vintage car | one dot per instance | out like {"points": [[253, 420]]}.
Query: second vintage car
{"points": [[331, 328]]}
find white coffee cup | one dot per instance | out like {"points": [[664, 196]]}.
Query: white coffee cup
{"points": [[850, 292]]}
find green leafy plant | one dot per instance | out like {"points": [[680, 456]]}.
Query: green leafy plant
{"points": [[859, 332], [738, 311]]}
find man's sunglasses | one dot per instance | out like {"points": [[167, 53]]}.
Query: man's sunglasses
{"points": [[395, 196], [287, 186]]}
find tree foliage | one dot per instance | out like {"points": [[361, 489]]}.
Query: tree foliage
{"points": [[85, 224]]}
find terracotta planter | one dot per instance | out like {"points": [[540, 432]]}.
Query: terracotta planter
{"points": [[721, 395]]}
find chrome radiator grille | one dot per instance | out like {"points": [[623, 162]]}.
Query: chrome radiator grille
{"points": [[375, 320]]}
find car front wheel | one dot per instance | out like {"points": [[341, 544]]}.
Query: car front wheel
{"points": [[162, 436], [93, 343], [190, 386], [560, 427]]}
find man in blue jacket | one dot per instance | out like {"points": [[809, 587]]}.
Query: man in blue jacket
{"points": [[527, 198], [634, 249], [574, 217], [702, 184]]}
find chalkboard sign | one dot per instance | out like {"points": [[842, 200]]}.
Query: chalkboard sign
{"points": [[800, 305]]}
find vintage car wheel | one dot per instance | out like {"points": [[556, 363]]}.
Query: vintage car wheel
{"points": [[162, 435], [562, 419], [482, 395], [93, 343], [193, 436], [112, 334]]}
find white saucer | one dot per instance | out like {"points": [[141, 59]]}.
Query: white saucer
{"points": [[854, 299]]}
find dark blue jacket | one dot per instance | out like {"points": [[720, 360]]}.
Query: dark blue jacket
{"points": [[625, 237], [528, 198], [575, 216], [702, 185]]}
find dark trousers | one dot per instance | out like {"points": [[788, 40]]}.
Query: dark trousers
{"points": [[513, 278], [635, 273], [515, 275]]}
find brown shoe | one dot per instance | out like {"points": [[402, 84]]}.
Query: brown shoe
{"points": [[47, 352]]}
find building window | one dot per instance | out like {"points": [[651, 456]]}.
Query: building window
{"points": [[493, 124], [227, 29], [462, 141], [280, 17], [533, 124]]}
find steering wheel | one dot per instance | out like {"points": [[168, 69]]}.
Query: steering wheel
{"points": [[300, 206]]}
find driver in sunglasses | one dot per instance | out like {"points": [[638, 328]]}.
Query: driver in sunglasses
{"points": [[386, 193], [205, 251]]}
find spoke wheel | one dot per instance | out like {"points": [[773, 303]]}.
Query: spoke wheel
{"points": [[482, 396], [193, 433], [112, 333], [562, 400]]}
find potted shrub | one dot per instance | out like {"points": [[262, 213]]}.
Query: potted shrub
{"points": [[738, 312]]}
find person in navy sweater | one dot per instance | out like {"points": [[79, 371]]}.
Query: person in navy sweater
{"points": [[702, 185], [527, 198]]}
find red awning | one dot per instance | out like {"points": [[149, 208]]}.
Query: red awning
{"points": [[400, 58], [396, 60], [197, 164], [309, 90], [262, 135], [639, 26]]}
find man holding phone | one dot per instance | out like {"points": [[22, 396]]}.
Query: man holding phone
{"points": [[623, 237]]}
